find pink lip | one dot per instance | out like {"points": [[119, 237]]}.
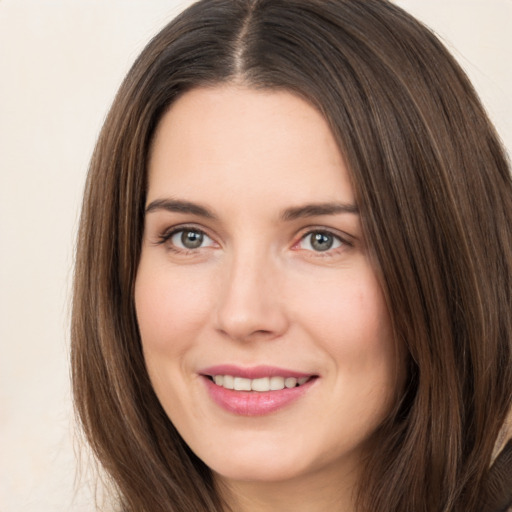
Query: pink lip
{"points": [[254, 403], [255, 372]]}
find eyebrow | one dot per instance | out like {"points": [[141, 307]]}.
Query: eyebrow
{"points": [[175, 205], [289, 214], [316, 209]]}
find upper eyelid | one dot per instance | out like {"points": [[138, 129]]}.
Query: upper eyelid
{"points": [[165, 234], [171, 230], [347, 242], [342, 235]]}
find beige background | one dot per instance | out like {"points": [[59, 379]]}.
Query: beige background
{"points": [[60, 64]]}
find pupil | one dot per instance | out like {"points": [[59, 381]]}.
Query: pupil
{"points": [[321, 241], [191, 239]]}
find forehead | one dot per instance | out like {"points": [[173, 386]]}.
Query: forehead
{"points": [[234, 141]]}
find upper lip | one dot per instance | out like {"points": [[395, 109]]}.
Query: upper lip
{"points": [[253, 372]]}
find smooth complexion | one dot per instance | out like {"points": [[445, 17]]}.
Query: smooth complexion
{"points": [[254, 262]]}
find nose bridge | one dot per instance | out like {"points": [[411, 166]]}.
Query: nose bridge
{"points": [[249, 304]]}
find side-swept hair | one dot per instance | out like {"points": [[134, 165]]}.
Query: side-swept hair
{"points": [[434, 190]]}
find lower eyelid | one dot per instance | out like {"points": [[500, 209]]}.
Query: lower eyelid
{"points": [[340, 240], [167, 236]]}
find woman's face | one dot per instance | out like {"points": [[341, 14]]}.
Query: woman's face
{"points": [[255, 275]]}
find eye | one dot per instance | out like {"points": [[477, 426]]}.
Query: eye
{"points": [[320, 241], [189, 239]]}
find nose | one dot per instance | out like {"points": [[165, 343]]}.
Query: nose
{"points": [[251, 302]]}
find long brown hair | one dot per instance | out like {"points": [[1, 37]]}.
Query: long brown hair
{"points": [[435, 196]]}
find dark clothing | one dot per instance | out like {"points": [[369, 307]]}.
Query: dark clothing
{"points": [[499, 484]]}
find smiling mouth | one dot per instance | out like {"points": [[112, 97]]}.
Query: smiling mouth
{"points": [[258, 390], [261, 385]]}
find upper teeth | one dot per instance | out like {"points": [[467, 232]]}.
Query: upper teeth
{"points": [[263, 384]]}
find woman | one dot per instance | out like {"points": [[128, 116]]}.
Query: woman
{"points": [[294, 268]]}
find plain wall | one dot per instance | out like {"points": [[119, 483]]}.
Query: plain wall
{"points": [[61, 62]]}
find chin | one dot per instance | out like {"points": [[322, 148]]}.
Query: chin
{"points": [[268, 471], [275, 461]]}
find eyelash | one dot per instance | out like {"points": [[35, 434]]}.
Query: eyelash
{"points": [[166, 237], [342, 241]]}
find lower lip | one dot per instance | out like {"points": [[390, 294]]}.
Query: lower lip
{"points": [[255, 403]]}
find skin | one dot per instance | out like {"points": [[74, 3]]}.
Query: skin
{"points": [[258, 292]]}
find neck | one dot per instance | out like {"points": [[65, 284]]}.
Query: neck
{"points": [[314, 493]]}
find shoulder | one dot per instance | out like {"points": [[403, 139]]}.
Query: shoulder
{"points": [[499, 483]]}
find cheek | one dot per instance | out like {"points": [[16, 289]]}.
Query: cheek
{"points": [[367, 320], [349, 318], [169, 306], [349, 312]]}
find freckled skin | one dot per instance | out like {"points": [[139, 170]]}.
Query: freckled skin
{"points": [[257, 292]]}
